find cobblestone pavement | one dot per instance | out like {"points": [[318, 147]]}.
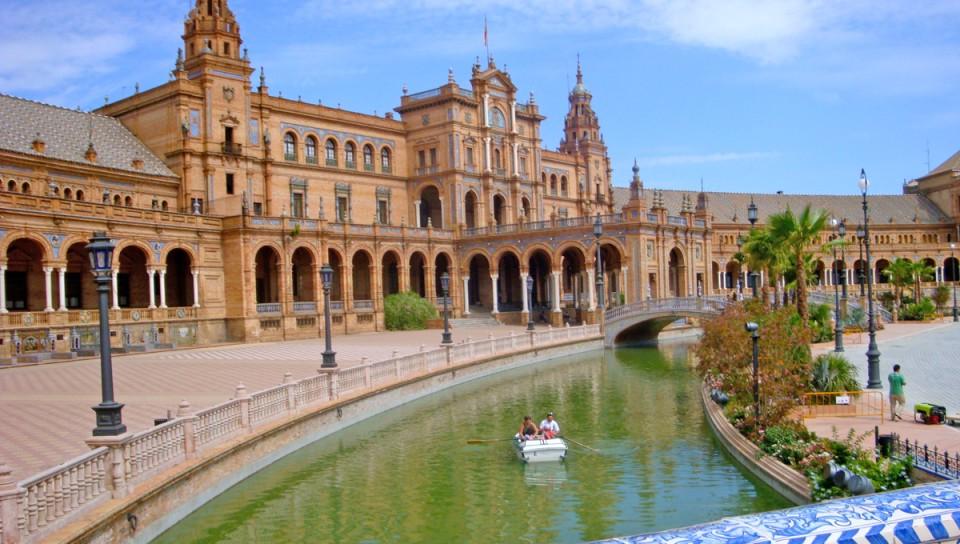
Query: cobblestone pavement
{"points": [[46, 408], [929, 355]]}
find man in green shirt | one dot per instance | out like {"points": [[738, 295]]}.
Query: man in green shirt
{"points": [[896, 392]]}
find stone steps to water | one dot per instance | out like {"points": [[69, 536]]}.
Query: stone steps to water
{"points": [[485, 320]]}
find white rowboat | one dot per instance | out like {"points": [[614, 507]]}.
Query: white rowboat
{"points": [[538, 450]]}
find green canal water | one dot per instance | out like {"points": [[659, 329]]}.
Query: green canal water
{"points": [[409, 475]]}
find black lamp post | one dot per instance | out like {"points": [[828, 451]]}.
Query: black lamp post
{"points": [[842, 231], [109, 421], [860, 273], [741, 277], [953, 261], [838, 326], [529, 288], [752, 213], [754, 331], [445, 287], [329, 356], [873, 352], [597, 233]]}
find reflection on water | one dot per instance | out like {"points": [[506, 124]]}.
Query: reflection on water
{"points": [[409, 475]]}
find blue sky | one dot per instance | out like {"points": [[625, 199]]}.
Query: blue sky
{"points": [[793, 95]]}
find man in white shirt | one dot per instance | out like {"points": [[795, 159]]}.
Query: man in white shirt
{"points": [[549, 427]]}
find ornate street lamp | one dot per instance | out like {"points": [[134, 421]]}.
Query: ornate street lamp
{"points": [[109, 421], [752, 213], [445, 287], [529, 288], [740, 258], [953, 247], [873, 352], [838, 325], [860, 271], [329, 356], [754, 331], [597, 233]]}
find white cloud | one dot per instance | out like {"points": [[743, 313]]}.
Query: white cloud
{"points": [[674, 160]]}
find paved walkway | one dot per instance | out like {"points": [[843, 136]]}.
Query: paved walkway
{"points": [[929, 355], [46, 408]]}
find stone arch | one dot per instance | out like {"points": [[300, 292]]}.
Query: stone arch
{"points": [[386, 157], [879, 277], [539, 264], [470, 211], [350, 148], [267, 264], [26, 285], [442, 262], [311, 148], [612, 260], [81, 289], [133, 280], [335, 260], [303, 280], [509, 285], [179, 277], [139, 244], [525, 208], [390, 264], [676, 276], [499, 209], [47, 250], [479, 288], [362, 268], [418, 273], [331, 150], [182, 247], [951, 269], [431, 207]]}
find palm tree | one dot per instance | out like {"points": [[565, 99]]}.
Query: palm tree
{"points": [[763, 253], [921, 272], [900, 274], [795, 234]]}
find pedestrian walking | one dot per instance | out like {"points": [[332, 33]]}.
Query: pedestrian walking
{"points": [[896, 392]]}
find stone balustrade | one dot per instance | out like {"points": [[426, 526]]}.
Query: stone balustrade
{"points": [[32, 509]]}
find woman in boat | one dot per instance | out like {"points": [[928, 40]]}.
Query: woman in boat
{"points": [[528, 429]]}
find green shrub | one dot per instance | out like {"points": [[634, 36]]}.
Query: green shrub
{"points": [[856, 318], [833, 372], [918, 311], [941, 296], [820, 326], [407, 311]]}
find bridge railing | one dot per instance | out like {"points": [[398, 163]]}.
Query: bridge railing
{"points": [[708, 304]]}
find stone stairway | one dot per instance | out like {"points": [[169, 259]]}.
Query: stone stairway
{"points": [[474, 320]]}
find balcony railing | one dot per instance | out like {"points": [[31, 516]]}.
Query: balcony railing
{"points": [[232, 148], [351, 165], [332, 162], [336, 305], [425, 170], [311, 159], [290, 157], [268, 308], [362, 304], [386, 169], [368, 166], [304, 307]]}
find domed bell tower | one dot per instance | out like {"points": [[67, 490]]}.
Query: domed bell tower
{"points": [[211, 35], [583, 138]]}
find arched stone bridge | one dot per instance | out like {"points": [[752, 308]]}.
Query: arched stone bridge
{"points": [[643, 321]]}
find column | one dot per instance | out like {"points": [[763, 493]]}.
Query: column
{"points": [[493, 283], [3, 289], [622, 284], [556, 291], [486, 110], [196, 285], [116, 294], [591, 289], [163, 288], [486, 156], [62, 284], [516, 159], [466, 295], [416, 211], [513, 116], [523, 290], [48, 287], [939, 274], [153, 301]]}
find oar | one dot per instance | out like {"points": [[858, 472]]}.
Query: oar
{"points": [[485, 440], [582, 445]]}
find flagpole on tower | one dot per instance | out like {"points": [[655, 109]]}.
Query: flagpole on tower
{"points": [[486, 38]]}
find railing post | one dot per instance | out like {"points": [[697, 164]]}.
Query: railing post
{"points": [[533, 338], [469, 343], [116, 473], [189, 429], [449, 354], [365, 363], [291, 391], [244, 398], [513, 340], [10, 499], [566, 326], [492, 342]]}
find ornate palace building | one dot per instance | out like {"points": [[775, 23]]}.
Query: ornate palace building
{"points": [[225, 201]]}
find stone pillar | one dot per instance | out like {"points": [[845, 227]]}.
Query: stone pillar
{"points": [[416, 213], [513, 116], [516, 159], [496, 294], [3, 289], [163, 288], [10, 497], [116, 293], [591, 289], [153, 299], [622, 280], [555, 276], [196, 286], [62, 285], [486, 158], [48, 288], [466, 295], [523, 290]]}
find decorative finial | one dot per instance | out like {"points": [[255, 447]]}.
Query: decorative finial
{"points": [[450, 76], [533, 99], [246, 54], [636, 168], [136, 88], [263, 78], [579, 70], [179, 63], [404, 89]]}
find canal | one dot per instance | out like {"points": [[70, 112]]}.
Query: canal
{"points": [[409, 475]]}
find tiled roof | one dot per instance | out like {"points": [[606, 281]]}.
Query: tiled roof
{"points": [[732, 207], [67, 133]]}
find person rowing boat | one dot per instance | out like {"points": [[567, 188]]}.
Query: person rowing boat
{"points": [[528, 429]]}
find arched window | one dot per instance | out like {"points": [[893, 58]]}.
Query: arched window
{"points": [[12, 186], [68, 193], [496, 119], [128, 202], [496, 159], [553, 184], [563, 185], [350, 154], [289, 147], [163, 205], [310, 145], [79, 194], [368, 158], [25, 188], [116, 200], [385, 159], [331, 147]]}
